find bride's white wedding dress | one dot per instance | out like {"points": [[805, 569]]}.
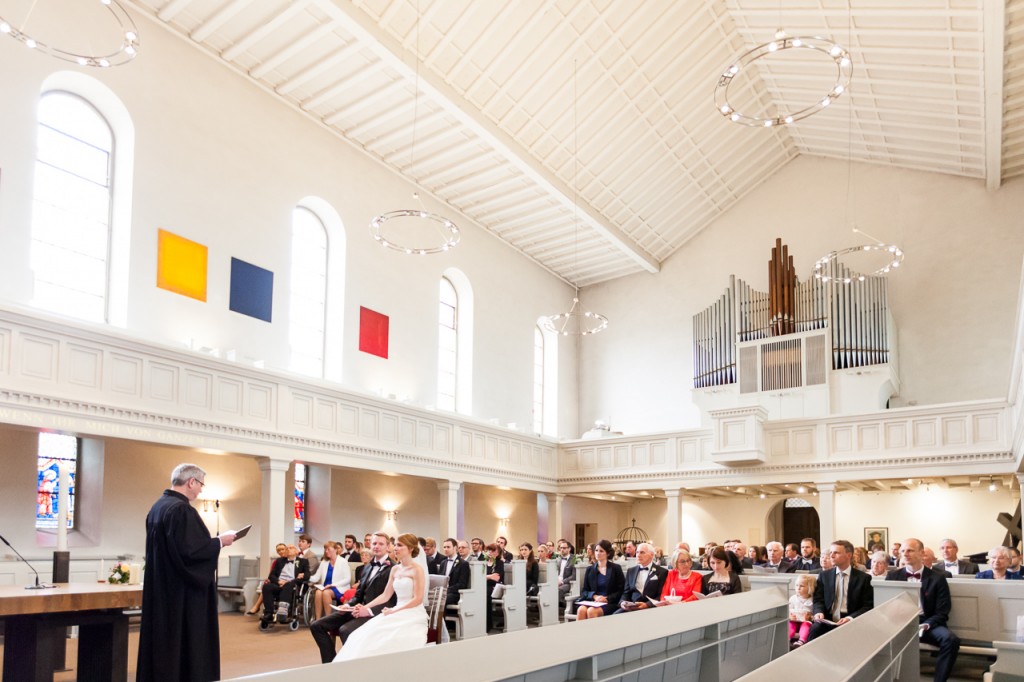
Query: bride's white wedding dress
{"points": [[388, 633]]}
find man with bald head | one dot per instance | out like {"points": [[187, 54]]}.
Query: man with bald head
{"points": [[935, 605]]}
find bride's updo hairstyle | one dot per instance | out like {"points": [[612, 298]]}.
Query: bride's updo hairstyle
{"points": [[411, 543]]}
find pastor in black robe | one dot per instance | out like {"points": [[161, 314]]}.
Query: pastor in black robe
{"points": [[179, 637]]}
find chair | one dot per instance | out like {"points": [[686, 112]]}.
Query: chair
{"points": [[300, 611]]}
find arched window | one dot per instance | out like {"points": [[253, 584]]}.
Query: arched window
{"points": [[307, 293], [538, 380], [447, 346], [71, 212], [455, 343]]}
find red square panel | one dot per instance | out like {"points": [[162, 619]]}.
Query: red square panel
{"points": [[373, 332]]}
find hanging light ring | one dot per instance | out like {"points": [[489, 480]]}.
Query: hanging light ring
{"points": [[587, 323], [449, 232], [838, 54], [893, 255], [124, 53]]}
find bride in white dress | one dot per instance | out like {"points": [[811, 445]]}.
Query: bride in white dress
{"points": [[403, 626]]}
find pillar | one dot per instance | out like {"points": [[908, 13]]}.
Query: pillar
{"points": [[451, 509], [827, 514], [673, 518], [274, 502], [555, 531]]}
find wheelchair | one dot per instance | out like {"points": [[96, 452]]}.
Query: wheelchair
{"points": [[300, 611]]}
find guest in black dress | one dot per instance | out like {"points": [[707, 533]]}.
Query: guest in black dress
{"points": [[495, 575], [604, 582], [724, 578], [532, 568]]}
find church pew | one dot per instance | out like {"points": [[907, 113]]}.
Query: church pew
{"points": [[470, 614], [717, 640], [983, 611], [513, 601], [546, 600], [881, 644], [574, 591], [1009, 665]]}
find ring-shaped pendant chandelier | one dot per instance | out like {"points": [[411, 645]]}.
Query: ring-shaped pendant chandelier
{"points": [[576, 322], [893, 258], [448, 232], [124, 53], [837, 53]]}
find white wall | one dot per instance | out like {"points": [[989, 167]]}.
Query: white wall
{"points": [[222, 163], [954, 300]]}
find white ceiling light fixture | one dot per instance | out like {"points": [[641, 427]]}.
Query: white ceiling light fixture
{"points": [[576, 321], [124, 53], [887, 257], [415, 231], [837, 53]]}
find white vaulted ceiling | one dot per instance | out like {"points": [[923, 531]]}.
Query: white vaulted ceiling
{"points": [[643, 161]]}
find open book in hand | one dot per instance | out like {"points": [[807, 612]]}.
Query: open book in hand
{"points": [[655, 602], [699, 595], [242, 532], [594, 604], [344, 608]]}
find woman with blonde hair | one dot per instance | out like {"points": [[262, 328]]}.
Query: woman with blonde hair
{"points": [[400, 627], [682, 580]]}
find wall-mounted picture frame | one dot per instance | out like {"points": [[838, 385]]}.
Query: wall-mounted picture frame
{"points": [[873, 535]]}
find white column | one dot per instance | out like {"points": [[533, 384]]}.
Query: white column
{"points": [[555, 531], [451, 509], [273, 503], [673, 518], [827, 514]]}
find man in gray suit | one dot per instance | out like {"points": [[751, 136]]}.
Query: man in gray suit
{"points": [[950, 563], [566, 569]]}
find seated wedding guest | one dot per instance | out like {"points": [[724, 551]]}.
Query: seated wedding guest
{"points": [[506, 555], [682, 580], [800, 607], [774, 551], [307, 553], [807, 559], [879, 564], [494, 573], [591, 557], [740, 550], [792, 552], [841, 594], [826, 561], [433, 557], [950, 563], [350, 552], [929, 560], [659, 556], [543, 553], [1014, 566], [723, 577], [532, 568], [333, 578], [286, 573], [757, 555], [603, 582], [860, 559], [566, 569], [643, 581], [365, 556], [999, 560], [630, 550], [282, 551], [894, 554]]}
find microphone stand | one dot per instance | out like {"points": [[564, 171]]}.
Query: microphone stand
{"points": [[38, 585]]}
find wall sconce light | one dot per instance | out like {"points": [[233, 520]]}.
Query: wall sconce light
{"points": [[392, 515], [504, 522], [211, 505]]}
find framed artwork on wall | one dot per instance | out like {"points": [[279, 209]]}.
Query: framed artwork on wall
{"points": [[875, 535]]}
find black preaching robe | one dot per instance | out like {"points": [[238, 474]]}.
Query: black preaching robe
{"points": [[179, 637]]}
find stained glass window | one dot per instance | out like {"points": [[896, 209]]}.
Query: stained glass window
{"points": [[300, 498], [55, 449]]}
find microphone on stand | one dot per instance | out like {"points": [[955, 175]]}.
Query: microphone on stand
{"points": [[37, 586]]}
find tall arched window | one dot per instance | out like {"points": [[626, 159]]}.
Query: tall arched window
{"points": [[447, 346], [307, 293], [538, 380], [72, 202]]}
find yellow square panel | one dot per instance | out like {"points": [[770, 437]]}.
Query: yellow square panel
{"points": [[181, 265]]}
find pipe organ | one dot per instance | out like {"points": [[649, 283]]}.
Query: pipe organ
{"points": [[792, 335]]}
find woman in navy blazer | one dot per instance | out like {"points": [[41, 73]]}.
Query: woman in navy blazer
{"points": [[603, 582], [998, 559]]}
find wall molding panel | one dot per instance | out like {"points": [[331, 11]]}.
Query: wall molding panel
{"points": [[96, 381]]}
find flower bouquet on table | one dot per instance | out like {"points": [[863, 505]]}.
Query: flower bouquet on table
{"points": [[120, 574]]}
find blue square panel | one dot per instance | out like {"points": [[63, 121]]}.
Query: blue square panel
{"points": [[252, 290]]}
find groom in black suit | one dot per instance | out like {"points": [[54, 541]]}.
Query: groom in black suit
{"points": [[840, 605], [935, 605], [643, 580], [375, 579]]}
